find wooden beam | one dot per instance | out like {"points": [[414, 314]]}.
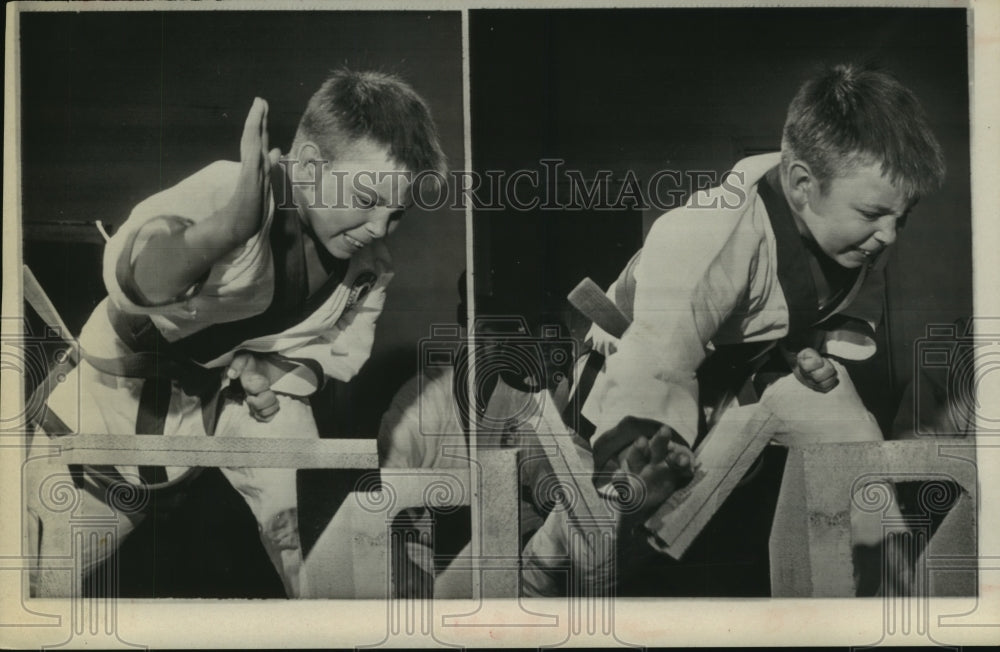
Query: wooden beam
{"points": [[166, 450]]}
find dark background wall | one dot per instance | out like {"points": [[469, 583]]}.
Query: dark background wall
{"points": [[646, 90], [117, 106]]}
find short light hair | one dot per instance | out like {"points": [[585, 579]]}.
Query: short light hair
{"points": [[850, 115], [352, 105]]}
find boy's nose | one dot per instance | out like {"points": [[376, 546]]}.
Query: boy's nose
{"points": [[886, 233], [378, 225]]}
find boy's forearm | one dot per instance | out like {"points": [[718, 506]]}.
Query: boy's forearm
{"points": [[170, 263]]}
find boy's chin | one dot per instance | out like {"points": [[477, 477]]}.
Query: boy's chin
{"points": [[848, 262], [340, 254], [341, 250], [851, 259]]}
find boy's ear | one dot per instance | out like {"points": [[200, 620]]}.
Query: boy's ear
{"points": [[301, 156], [800, 183], [308, 151]]}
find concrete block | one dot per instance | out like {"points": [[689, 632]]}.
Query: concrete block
{"points": [[823, 484]]}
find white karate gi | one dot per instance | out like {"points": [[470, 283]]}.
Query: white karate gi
{"points": [[331, 337], [708, 276]]}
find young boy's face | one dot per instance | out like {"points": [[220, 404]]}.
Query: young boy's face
{"points": [[857, 217], [361, 197]]}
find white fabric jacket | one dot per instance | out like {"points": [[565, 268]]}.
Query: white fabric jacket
{"points": [[338, 334], [708, 275]]}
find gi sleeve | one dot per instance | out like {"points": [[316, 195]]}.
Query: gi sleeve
{"points": [[192, 200], [694, 271]]}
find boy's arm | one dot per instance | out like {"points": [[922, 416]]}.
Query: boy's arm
{"points": [[171, 260], [696, 267]]}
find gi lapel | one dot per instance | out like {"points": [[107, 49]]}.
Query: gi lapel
{"points": [[794, 273], [290, 303], [797, 271]]}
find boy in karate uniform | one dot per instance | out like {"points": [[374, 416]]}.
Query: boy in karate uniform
{"points": [[778, 266], [246, 281]]}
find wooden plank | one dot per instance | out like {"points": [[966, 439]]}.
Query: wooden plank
{"points": [[166, 450], [725, 456], [594, 304], [36, 297]]}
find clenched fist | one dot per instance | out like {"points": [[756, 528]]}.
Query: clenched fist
{"points": [[814, 371], [254, 373]]}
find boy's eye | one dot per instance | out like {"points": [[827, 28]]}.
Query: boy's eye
{"points": [[870, 216], [365, 201], [397, 215]]}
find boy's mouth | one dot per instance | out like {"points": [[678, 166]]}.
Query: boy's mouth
{"points": [[868, 254], [357, 244]]}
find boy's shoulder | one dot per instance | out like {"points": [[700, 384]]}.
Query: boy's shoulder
{"points": [[716, 214], [736, 189]]}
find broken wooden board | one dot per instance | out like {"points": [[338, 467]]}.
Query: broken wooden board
{"points": [[593, 303], [725, 456]]}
